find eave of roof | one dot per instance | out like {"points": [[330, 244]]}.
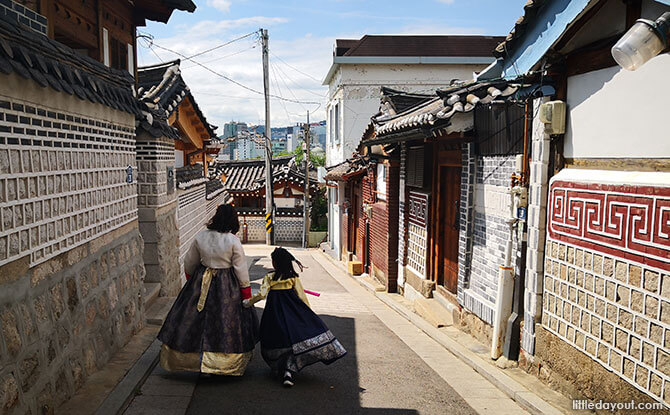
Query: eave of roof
{"points": [[32, 55], [543, 24]]}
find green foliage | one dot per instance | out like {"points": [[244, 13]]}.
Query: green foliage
{"points": [[319, 211]]}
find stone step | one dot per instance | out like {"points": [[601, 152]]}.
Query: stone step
{"points": [[433, 312], [151, 291], [448, 301], [157, 312]]}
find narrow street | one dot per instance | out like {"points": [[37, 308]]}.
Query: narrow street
{"points": [[399, 371]]}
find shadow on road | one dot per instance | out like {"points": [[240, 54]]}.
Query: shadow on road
{"points": [[319, 389]]}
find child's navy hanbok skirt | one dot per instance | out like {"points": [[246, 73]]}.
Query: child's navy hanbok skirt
{"points": [[293, 336]]}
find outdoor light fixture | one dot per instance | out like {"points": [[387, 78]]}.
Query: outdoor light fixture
{"points": [[642, 42]]}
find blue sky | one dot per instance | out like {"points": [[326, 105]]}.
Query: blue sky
{"points": [[301, 37]]}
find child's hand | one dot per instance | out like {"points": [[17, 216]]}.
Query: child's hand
{"points": [[246, 303]]}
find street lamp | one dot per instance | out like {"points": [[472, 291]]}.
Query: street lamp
{"points": [[642, 42]]}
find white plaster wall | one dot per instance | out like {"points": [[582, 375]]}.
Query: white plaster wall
{"points": [[357, 88], [614, 113]]}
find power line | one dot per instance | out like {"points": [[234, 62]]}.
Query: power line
{"points": [[272, 65], [296, 69], [228, 78], [223, 44], [297, 84], [224, 57]]}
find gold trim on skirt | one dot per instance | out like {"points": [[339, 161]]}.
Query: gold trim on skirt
{"points": [[231, 364]]}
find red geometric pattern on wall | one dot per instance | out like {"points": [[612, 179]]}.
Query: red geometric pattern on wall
{"points": [[626, 221]]}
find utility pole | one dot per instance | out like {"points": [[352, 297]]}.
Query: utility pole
{"points": [[306, 211], [269, 204]]}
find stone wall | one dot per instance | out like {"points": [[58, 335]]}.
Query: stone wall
{"points": [[607, 273], [63, 319], [157, 211], [70, 250]]}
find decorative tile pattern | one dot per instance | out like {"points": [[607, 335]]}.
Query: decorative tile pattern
{"points": [[602, 296], [63, 180], [617, 219]]}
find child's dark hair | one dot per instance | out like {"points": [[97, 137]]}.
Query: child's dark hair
{"points": [[282, 260], [224, 220]]}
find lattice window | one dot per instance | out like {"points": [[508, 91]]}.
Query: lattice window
{"points": [[417, 244], [63, 180]]}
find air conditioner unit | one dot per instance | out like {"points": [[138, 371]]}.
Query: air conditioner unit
{"points": [[552, 114]]}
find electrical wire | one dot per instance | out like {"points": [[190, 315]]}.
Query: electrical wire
{"points": [[296, 83], [272, 65], [283, 104], [241, 85], [223, 57], [295, 69], [223, 44]]}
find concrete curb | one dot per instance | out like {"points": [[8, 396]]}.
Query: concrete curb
{"points": [[516, 391], [124, 392]]}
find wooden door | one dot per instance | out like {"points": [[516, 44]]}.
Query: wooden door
{"points": [[449, 196], [444, 232], [353, 222]]}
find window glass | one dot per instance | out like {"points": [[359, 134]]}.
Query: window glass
{"points": [[381, 181]]}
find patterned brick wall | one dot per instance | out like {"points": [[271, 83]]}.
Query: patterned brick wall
{"points": [[607, 272], [63, 179], [287, 229], [16, 12], [484, 231]]}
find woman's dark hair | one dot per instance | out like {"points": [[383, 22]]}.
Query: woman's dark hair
{"points": [[282, 260], [224, 220]]}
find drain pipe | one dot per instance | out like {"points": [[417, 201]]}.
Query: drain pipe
{"points": [[505, 283]]}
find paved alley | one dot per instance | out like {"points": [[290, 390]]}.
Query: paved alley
{"points": [[400, 371]]}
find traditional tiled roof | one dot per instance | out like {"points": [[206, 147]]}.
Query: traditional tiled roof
{"points": [[394, 101], [51, 64], [161, 10], [162, 88], [445, 104], [190, 176], [248, 176], [530, 10], [418, 45], [214, 188], [346, 169]]}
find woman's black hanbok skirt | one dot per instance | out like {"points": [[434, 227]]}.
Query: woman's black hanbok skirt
{"points": [[219, 339], [293, 336]]}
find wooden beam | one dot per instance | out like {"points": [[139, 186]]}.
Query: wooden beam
{"points": [[633, 12], [578, 25], [592, 58]]}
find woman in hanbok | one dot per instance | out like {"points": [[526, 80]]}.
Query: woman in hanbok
{"points": [[208, 330], [292, 335]]}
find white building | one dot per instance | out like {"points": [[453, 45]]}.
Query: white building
{"points": [[407, 63]]}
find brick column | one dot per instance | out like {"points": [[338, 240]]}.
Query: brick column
{"points": [[157, 210], [402, 220], [537, 219], [466, 219]]}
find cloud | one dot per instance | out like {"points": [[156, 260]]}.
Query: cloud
{"points": [[223, 5], [446, 1], [223, 101]]}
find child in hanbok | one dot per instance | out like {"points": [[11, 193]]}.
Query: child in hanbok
{"points": [[292, 336]]}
